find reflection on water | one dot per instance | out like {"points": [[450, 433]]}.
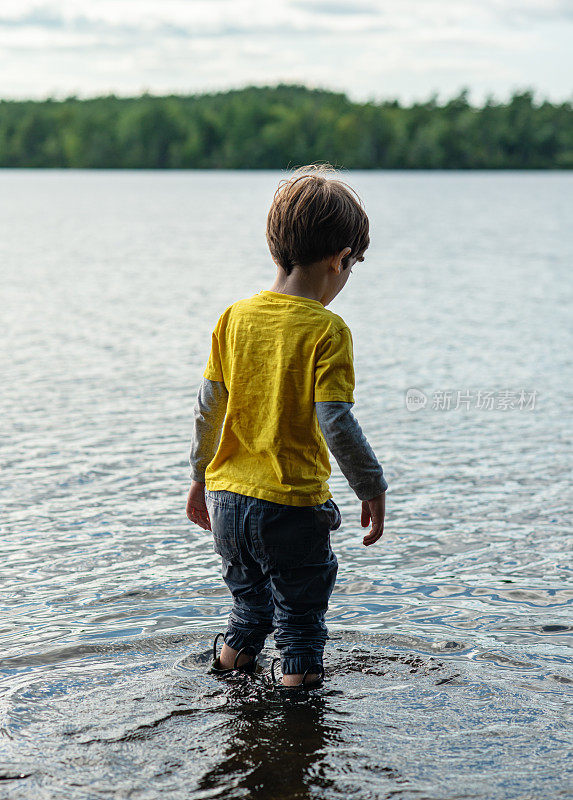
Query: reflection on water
{"points": [[396, 717], [262, 738], [449, 673]]}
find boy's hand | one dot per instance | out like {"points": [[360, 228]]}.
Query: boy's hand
{"points": [[196, 507], [373, 510]]}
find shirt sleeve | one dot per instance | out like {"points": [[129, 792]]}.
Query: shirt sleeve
{"points": [[214, 369], [334, 369], [351, 449], [208, 416]]}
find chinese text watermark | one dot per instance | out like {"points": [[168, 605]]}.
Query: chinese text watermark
{"points": [[466, 399]]}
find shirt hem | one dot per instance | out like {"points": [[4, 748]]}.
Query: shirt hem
{"points": [[291, 499], [212, 376], [330, 399]]}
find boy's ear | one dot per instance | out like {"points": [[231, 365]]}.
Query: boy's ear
{"points": [[341, 257], [336, 261]]}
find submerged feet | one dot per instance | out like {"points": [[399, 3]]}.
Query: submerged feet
{"points": [[311, 679], [232, 660], [242, 660]]}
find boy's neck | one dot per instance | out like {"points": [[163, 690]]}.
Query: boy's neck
{"points": [[309, 283]]}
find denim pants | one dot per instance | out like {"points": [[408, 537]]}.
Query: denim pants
{"points": [[280, 568]]}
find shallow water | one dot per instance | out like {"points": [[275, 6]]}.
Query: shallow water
{"points": [[449, 667]]}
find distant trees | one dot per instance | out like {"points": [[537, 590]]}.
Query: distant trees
{"points": [[285, 126]]}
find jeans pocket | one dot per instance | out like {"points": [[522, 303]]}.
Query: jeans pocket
{"points": [[227, 548], [286, 537], [327, 516], [222, 518]]}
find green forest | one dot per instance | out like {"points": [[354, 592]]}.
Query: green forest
{"points": [[283, 127]]}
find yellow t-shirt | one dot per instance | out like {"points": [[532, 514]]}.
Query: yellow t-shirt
{"points": [[277, 354]]}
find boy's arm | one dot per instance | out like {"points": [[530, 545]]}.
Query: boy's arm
{"points": [[351, 449], [208, 415], [333, 399]]}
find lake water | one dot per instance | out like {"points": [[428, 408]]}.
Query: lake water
{"points": [[449, 673]]}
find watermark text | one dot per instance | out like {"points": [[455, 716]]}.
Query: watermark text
{"points": [[466, 399]]}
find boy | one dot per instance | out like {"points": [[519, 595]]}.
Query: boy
{"points": [[277, 389]]}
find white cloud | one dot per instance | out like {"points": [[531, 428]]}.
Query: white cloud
{"points": [[369, 48]]}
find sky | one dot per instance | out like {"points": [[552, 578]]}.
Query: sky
{"points": [[369, 49]]}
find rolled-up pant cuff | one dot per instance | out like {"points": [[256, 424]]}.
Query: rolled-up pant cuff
{"points": [[298, 665], [253, 641]]}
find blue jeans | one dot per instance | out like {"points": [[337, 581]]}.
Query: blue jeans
{"points": [[280, 568]]}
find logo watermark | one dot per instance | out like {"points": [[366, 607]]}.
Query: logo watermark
{"points": [[466, 399]]}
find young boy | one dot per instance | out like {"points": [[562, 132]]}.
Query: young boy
{"points": [[277, 389]]}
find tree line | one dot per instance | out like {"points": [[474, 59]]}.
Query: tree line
{"points": [[282, 127]]}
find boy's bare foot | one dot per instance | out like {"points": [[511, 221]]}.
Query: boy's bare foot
{"points": [[308, 678], [296, 680], [228, 656]]}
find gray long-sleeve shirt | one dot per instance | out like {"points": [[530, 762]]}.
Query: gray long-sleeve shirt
{"points": [[340, 428]]}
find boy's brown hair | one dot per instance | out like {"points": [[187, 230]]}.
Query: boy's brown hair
{"points": [[315, 215]]}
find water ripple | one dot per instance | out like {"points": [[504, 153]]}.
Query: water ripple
{"points": [[449, 657]]}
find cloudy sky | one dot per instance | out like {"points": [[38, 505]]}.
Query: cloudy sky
{"points": [[371, 49]]}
